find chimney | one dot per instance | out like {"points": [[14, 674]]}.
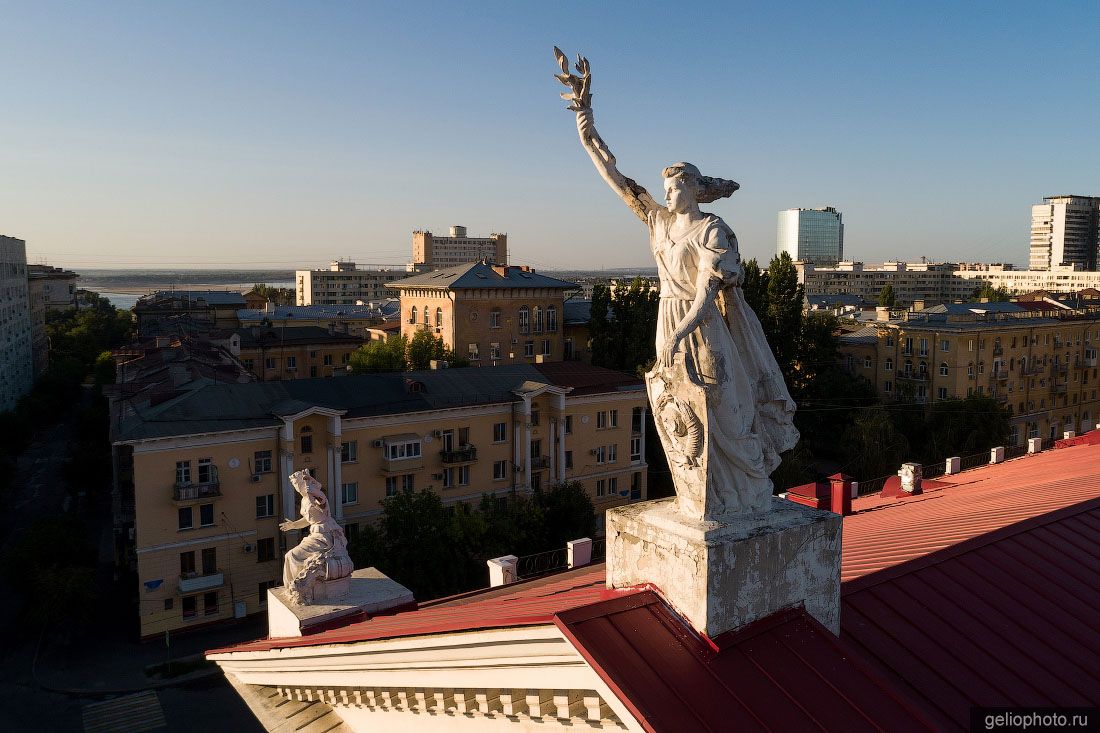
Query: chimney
{"points": [[910, 474], [840, 495], [502, 570], [501, 270]]}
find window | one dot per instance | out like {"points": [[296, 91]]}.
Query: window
{"points": [[291, 363], [189, 606], [568, 424], [412, 315], [448, 478], [249, 364], [168, 604], [349, 451], [524, 320], [981, 367], [210, 603], [923, 347], [943, 368], [888, 365], [186, 520], [210, 561], [494, 318], [326, 360], [601, 419], [407, 481], [534, 415], [426, 315], [265, 506], [941, 393], [439, 317], [261, 461], [546, 347], [636, 420], [494, 350], [206, 515], [187, 563], [568, 459], [889, 340], [945, 345], [500, 432], [866, 362], [613, 486], [613, 419], [345, 358], [463, 436], [529, 348], [500, 470], [391, 486], [306, 441], [612, 453], [349, 493], [538, 319], [970, 345], [635, 449], [269, 363], [970, 369], [463, 475], [265, 549], [601, 455], [601, 487], [551, 319], [183, 473], [403, 450], [474, 355], [888, 387]]}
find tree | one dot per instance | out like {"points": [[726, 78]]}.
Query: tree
{"points": [[966, 426], [380, 356], [886, 296], [873, 446], [623, 324], [422, 349], [278, 296], [990, 294], [782, 319], [755, 288]]}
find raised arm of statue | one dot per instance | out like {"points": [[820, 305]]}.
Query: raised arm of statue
{"points": [[579, 97]]}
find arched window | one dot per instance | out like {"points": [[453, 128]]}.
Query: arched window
{"points": [[538, 319], [943, 368], [922, 368], [412, 314], [888, 365], [981, 367], [970, 369], [306, 439], [524, 319], [426, 322], [551, 319], [438, 316]]}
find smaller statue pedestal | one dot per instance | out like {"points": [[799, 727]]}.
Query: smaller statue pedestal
{"points": [[366, 591], [722, 576]]}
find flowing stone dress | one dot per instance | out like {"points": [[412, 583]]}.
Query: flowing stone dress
{"points": [[321, 555], [722, 410]]}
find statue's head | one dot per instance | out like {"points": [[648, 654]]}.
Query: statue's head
{"points": [[686, 187], [305, 484]]}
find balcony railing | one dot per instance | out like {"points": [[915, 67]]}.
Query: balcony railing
{"points": [[1058, 388], [402, 465], [1000, 373], [539, 463], [1059, 369], [464, 454], [998, 350], [210, 488], [914, 376], [194, 582]]}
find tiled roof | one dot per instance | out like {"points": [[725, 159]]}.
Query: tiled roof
{"points": [[865, 335], [482, 275], [588, 379]]}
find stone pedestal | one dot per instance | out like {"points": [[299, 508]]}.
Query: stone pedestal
{"points": [[367, 591], [722, 576]]}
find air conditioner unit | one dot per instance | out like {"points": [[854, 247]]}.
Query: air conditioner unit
{"points": [[515, 341], [255, 478], [249, 547], [378, 443], [594, 451], [437, 433]]}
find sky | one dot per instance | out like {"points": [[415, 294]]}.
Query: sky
{"points": [[272, 135]]}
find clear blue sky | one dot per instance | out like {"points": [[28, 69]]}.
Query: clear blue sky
{"points": [[269, 134]]}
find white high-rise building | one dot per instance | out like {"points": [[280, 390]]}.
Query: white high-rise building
{"points": [[811, 235], [431, 252], [1064, 232], [16, 331], [344, 284]]}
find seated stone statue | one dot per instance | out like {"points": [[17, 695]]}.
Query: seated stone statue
{"points": [[322, 555]]}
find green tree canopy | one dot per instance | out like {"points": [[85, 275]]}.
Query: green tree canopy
{"points": [[623, 325], [990, 294], [886, 297], [379, 356]]}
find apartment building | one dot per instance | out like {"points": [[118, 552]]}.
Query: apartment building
{"points": [[811, 235], [298, 352], [209, 463], [344, 283], [186, 312], [16, 328], [57, 286], [1042, 368], [488, 313], [1064, 232], [431, 252], [356, 320]]}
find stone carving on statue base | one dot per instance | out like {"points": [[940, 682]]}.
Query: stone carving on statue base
{"points": [[318, 569], [723, 415]]}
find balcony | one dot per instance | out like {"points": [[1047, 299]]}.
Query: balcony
{"points": [[464, 454], [210, 488], [402, 465], [1059, 369], [195, 582], [539, 463], [998, 350], [999, 373], [1090, 361], [914, 376], [1058, 388]]}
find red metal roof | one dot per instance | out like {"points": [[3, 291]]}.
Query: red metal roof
{"points": [[884, 532], [785, 673]]}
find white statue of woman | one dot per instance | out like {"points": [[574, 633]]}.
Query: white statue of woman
{"points": [[721, 407], [322, 554]]}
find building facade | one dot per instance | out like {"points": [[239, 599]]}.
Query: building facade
{"points": [[356, 320], [811, 235], [1064, 232], [343, 283], [430, 252], [299, 352], [1043, 369], [16, 328], [488, 313], [57, 286], [210, 467]]}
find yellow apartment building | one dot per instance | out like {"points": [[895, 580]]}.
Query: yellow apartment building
{"points": [[356, 320], [300, 352], [489, 314], [1042, 368], [210, 464]]}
